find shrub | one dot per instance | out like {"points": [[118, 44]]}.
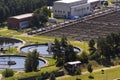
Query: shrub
{"points": [[91, 77], [83, 57], [52, 76], [78, 72], [78, 79], [60, 63], [7, 73]]}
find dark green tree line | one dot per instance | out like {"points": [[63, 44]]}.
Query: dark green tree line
{"points": [[107, 48], [16, 7]]}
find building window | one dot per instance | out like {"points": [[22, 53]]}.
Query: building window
{"points": [[87, 8], [69, 13]]}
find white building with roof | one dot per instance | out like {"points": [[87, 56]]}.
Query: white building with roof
{"points": [[67, 8]]}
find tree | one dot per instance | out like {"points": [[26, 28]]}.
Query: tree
{"points": [[101, 45], [40, 16], [2, 14], [69, 54], [52, 76], [91, 43], [92, 48], [45, 11], [113, 41], [56, 49], [63, 51], [83, 57], [90, 69], [32, 61], [35, 60], [17, 7], [64, 41], [7, 73]]}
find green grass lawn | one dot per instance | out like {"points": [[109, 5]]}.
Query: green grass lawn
{"points": [[51, 61], [9, 33], [108, 75], [34, 40], [81, 45], [11, 50], [30, 74]]}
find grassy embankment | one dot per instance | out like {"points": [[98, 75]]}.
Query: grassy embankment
{"points": [[109, 74]]}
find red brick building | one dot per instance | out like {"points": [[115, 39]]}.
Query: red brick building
{"points": [[20, 21]]}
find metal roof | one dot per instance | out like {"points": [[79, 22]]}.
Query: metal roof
{"points": [[68, 1], [22, 16], [90, 1], [71, 1], [74, 62]]}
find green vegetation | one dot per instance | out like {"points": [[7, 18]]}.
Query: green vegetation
{"points": [[12, 50], [114, 0], [32, 61], [7, 73], [107, 49], [9, 33], [24, 75], [52, 76], [109, 74], [33, 40], [92, 48], [81, 45], [63, 51], [50, 60], [83, 57], [16, 7], [40, 17], [59, 20], [90, 70]]}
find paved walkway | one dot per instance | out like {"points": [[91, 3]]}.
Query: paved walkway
{"points": [[0, 76], [93, 71]]}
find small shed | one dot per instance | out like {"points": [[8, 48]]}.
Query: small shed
{"points": [[73, 66]]}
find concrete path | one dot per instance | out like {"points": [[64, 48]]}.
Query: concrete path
{"points": [[0, 76]]}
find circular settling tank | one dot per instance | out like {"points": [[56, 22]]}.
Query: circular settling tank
{"points": [[15, 62], [42, 49], [9, 42]]}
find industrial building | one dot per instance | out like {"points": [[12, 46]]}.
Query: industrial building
{"points": [[69, 8], [20, 21]]}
